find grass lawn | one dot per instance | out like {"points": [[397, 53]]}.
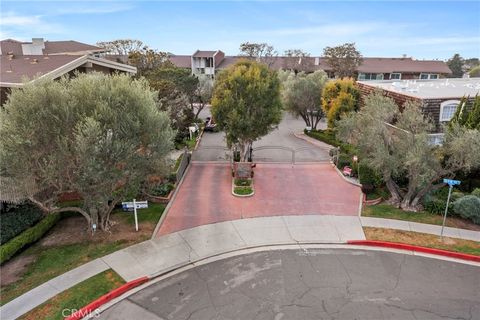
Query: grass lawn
{"points": [[76, 297], [422, 239], [54, 260], [387, 211]]}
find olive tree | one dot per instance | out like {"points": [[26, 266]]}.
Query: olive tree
{"points": [[302, 95], [397, 146], [246, 103], [98, 135]]}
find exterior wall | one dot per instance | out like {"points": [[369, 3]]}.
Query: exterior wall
{"points": [[430, 107]]}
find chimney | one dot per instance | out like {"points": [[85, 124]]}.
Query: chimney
{"points": [[38, 42], [404, 56], [317, 61]]}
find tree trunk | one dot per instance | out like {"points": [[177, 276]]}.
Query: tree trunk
{"points": [[392, 187]]}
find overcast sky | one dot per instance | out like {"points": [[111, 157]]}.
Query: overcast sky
{"points": [[424, 30]]}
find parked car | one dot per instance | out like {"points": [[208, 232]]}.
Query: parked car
{"points": [[210, 125]]}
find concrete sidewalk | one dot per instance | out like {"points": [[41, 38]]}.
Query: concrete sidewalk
{"points": [[420, 227]]}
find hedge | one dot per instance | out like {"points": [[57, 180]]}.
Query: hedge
{"points": [[27, 237], [17, 219]]}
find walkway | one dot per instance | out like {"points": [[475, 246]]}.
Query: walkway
{"points": [[420, 227], [205, 197], [176, 249]]}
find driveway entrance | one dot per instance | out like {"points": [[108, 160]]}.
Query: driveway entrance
{"points": [[205, 196]]}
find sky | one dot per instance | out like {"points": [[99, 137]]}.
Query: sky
{"points": [[423, 30]]}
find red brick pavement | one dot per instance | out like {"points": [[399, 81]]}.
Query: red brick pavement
{"points": [[280, 189]]}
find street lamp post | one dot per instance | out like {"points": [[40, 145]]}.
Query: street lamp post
{"points": [[355, 159]]}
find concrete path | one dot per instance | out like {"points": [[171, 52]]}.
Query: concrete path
{"points": [[170, 251], [205, 196], [420, 227], [310, 283], [212, 145], [51, 288]]}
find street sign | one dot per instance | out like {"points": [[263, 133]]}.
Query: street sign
{"points": [[135, 205], [138, 204], [451, 182]]}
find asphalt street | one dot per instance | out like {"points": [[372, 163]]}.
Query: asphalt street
{"points": [[312, 284]]}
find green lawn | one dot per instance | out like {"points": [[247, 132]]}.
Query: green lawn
{"points": [[76, 297], [51, 262], [387, 211], [390, 212], [151, 214], [54, 261]]}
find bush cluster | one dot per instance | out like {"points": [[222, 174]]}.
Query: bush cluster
{"points": [[243, 190], [27, 237], [468, 207], [17, 219], [163, 189]]}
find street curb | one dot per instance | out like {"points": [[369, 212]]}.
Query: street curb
{"points": [[403, 246], [169, 204], [94, 305], [343, 177]]}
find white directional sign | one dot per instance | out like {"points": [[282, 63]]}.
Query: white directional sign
{"points": [[138, 204], [135, 205]]}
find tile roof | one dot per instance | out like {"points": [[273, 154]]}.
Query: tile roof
{"points": [[51, 47], [204, 54], [20, 67], [181, 61]]}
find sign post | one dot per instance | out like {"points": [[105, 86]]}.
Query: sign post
{"points": [[135, 205], [450, 183]]}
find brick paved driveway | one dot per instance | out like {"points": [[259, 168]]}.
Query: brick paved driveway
{"points": [[280, 189]]}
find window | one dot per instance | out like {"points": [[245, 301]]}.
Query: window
{"points": [[428, 76], [370, 76], [395, 76], [436, 139], [447, 109]]}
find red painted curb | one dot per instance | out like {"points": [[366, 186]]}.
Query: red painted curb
{"points": [[403, 246], [92, 306]]}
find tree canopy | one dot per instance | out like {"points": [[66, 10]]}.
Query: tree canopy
{"points": [[302, 95], [339, 97], [261, 52], [397, 146], [246, 103], [98, 135], [297, 60], [344, 59], [122, 46], [455, 64]]}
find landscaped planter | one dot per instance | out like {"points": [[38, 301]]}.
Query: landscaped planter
{"points": [[160, 199], [243, 187], [242, 182]]}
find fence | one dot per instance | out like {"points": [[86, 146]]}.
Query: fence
{"points": [[183, 165]]}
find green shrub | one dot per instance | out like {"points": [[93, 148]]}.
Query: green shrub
{"points": [[17, 219], [243, 190], [435, 205], [177, 162], [243, 182], [27, 237], [368, 176], [163, 190], [476, 192], [468, 207]]}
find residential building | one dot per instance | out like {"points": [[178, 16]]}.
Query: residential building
{"points": [[28, 61], [438, 98], [210, 62]]}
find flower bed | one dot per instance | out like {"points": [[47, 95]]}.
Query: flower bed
{"points": [[242, 187]]}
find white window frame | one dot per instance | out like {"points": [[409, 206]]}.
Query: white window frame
{"points": [[436, 139], [429, 76], [447, 103], [399, 78]]}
